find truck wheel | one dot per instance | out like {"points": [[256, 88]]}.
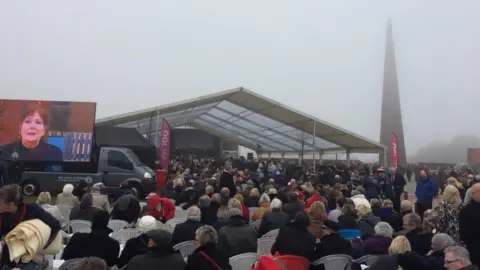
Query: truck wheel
{"points": [[30, 187], [137, 190]]}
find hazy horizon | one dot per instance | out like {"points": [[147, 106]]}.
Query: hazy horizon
{"points": [[325, 59]]}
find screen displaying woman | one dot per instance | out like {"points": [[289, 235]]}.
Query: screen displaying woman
{"points": [[32, 139]]}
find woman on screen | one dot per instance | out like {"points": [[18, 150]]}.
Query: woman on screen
{"points": [[32, 143]]}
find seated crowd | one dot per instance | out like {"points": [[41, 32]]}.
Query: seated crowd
{"points": [[306, 221]]}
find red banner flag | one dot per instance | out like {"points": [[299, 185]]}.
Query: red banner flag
{"points": [[394, 149], [164, 146]]}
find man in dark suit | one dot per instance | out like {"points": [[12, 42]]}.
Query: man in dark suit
{"points": [[226, 180], [398, 187]]}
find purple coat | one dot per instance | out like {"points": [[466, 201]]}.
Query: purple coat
{"points": [[376, 245]]}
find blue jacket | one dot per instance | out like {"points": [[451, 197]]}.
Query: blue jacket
{"points": [[425, 190]]}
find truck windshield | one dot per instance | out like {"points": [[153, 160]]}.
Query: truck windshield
{"points": [[133, 158]]}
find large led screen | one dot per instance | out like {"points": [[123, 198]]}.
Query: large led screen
{"points": [[46, 130]]}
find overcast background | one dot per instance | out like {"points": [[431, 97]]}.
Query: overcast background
{"points": [[322, 57]]}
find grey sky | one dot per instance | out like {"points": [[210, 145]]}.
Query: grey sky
{"points": [[322, 57]]}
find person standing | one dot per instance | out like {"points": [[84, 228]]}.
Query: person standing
{"points": [[425, 193], [226, 180], [399, 183], [469, 225]]}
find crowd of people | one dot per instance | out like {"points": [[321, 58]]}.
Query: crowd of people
{"points": [[332, 210]]}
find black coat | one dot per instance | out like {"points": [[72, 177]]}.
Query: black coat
{"points": [[399, 183], [83, 214], [226, 180], [469, 227], [237, 237], [292, 240], [197, 261], [133, 247], [251, 201], [332, 244], [420, 242], [209, 214], [272, 221], [436, 260], [185, 231], [157, 258], [292, 209], [94, 244], [347, 222]]}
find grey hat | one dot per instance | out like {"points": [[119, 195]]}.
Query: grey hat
{"points": [[160, 237]]}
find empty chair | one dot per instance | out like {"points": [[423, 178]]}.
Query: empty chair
{"points": [[264, 245], [186, 248], [117, 225], [70, 264], [243, 261], [76, 225], [335, 262], [272, 233], [126, 234], [369, 260], [174, 221]]}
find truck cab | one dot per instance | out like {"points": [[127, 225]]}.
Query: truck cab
{"points": [[115, 167], [121, 166]]}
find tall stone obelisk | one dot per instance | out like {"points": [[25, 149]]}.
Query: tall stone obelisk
{"points": [[391, 109]]}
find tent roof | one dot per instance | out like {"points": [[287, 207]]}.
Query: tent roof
{"points": [[251, 120]]}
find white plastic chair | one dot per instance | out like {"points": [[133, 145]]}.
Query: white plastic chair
{"points": [[65, 210], [272, 233], [369, 260], [174, 221], [117, 225], [186, 248], [166, 228], [243, 261], [76, 225], [335, 262], [126, 234], [180, 213], [264, 245], [84, 230], [70, 264]]}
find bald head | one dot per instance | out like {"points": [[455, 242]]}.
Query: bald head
{"points": [[476, 192]]}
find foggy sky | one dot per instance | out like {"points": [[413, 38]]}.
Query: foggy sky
{"points": [[322, 57]]}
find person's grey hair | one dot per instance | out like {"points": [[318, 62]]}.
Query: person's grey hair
{"points": [[355, 193], [276, 204], [68, 189], [194, 213], [459, 253], [234, 212], [383, 229], [91, 263], [405, 206], [225, 192], [413, 219], [441, 240], [204, 201], [255, 192], [216, 198], [264, 199], [206, 235]]}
